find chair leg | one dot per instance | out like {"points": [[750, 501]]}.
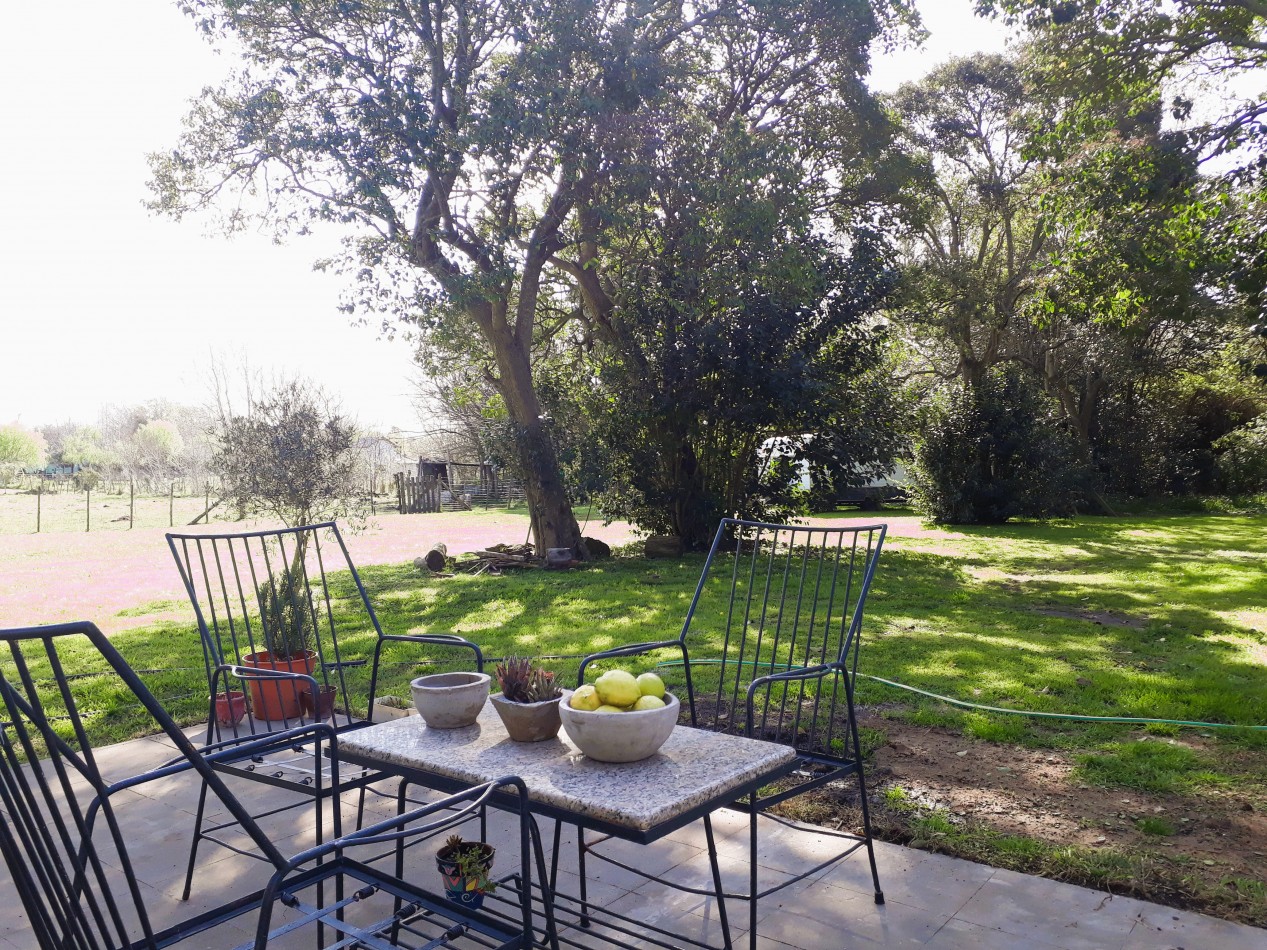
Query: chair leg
{"points": [[862, 794], [547, 890], [580, 869], [752, 870], [193, 847], [717, 884]]}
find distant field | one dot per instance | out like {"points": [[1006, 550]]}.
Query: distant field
{"points": [[71, 511]]}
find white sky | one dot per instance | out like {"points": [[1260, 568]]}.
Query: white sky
{"points": [[100, 302]]}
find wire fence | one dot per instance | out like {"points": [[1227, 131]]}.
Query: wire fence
{"points": [[50, 507]]}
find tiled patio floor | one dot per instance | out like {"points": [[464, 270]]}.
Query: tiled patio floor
{"points": [[932, 901]]}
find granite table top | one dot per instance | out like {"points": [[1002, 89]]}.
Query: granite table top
{"points": [[693, 766]]}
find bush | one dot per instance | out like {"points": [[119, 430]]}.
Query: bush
{"points": [[996, 452], [1242, 459]]}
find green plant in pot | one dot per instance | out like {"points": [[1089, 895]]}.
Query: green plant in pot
{"points": [[529, 700], [464, 865], [288, 624]]}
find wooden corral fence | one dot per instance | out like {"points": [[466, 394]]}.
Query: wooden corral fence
{"points": [[415, 495]]}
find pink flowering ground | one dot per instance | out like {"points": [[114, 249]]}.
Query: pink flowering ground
{"points": [[97, 576], [54, 578]]}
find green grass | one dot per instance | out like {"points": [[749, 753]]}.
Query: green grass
{"points": [[1150, 766], [988, 615]]}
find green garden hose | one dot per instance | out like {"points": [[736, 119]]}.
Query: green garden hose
{"points": [[1075, 717]]}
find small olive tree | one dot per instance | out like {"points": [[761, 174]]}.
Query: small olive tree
{"points": [[290, 455]]}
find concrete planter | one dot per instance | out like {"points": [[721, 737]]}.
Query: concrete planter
{"points": [[450, 700], [529, 722]]}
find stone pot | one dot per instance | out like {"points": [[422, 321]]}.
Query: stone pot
{"points": [[384, 711], [529, 722], [450, 700], [622, 736]]}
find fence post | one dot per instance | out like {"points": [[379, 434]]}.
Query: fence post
{"points": [[131, 502], [39, 503], [171, 501], [88, 509]]}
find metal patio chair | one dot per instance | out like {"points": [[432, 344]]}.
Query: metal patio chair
{"points": [[769, 649], [62, 839], [255, 591]]}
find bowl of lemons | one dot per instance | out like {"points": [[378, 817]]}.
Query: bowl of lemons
{"points": [[619, 717]]}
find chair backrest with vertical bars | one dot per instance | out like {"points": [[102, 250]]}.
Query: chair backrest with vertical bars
{"points": [[774, 599], [283, 591], [60, 834]]}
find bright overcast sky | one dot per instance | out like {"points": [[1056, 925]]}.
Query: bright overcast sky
{"points": [[104, 303]]}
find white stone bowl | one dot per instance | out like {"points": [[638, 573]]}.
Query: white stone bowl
{"points": [[619, 737], [450, 700]]}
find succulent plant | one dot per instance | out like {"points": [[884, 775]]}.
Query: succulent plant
{"points": [[473, 859], [522, 682]]}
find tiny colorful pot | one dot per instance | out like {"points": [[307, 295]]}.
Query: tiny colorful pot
{"points": [[459, 888]]}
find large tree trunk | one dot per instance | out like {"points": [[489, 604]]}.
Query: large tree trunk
{"points": [[553, 523]]}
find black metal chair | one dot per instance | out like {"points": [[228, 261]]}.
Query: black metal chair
{"points": [[296, 592], [769, 649], [61, 836]]}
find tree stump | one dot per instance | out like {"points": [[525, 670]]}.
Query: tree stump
{"points": [[436, 558], [598, 550]]}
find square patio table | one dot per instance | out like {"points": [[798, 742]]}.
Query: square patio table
{"points": [[695, 773]]}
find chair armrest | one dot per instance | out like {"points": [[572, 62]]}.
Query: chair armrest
{"points": [[629, 649], [822, 671], [227, 749], [395, 828], [432, 639]]}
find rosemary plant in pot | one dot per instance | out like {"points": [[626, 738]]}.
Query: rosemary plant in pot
{"points": [[464, 865], [288, 622], [529, 700]]}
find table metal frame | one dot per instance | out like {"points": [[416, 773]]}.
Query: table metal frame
{"points": [[741, 796]]}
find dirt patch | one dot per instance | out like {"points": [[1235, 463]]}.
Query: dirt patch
{"points": [[1218, 835], [1105, 618]]}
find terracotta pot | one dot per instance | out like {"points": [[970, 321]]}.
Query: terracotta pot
{"points": [[230, 707], [528, 722], [459, 888], [323, 707], [271, 699]]}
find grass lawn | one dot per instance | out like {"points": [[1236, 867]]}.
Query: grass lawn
{"points": [[1162, 617]]}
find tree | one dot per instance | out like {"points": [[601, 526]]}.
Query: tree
{"points": [[734, 323], [83, 446], [1123, 53], [156, 445], [992, 452], [976, 239], [470, 144], [20, 447], [291, 454]]}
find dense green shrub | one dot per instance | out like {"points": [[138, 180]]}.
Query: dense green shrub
{"points": [[993, 452], [1242, 459]]}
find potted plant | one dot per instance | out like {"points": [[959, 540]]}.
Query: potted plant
{"points": [[392, 707], [230, 707], [319, 706], [529, 700], [288, 620], [464, 865]]}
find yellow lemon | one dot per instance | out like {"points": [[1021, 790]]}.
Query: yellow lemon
{"points": [[585, 697], [649, 702], [608, 709], [617, 688], [651, 685]]}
